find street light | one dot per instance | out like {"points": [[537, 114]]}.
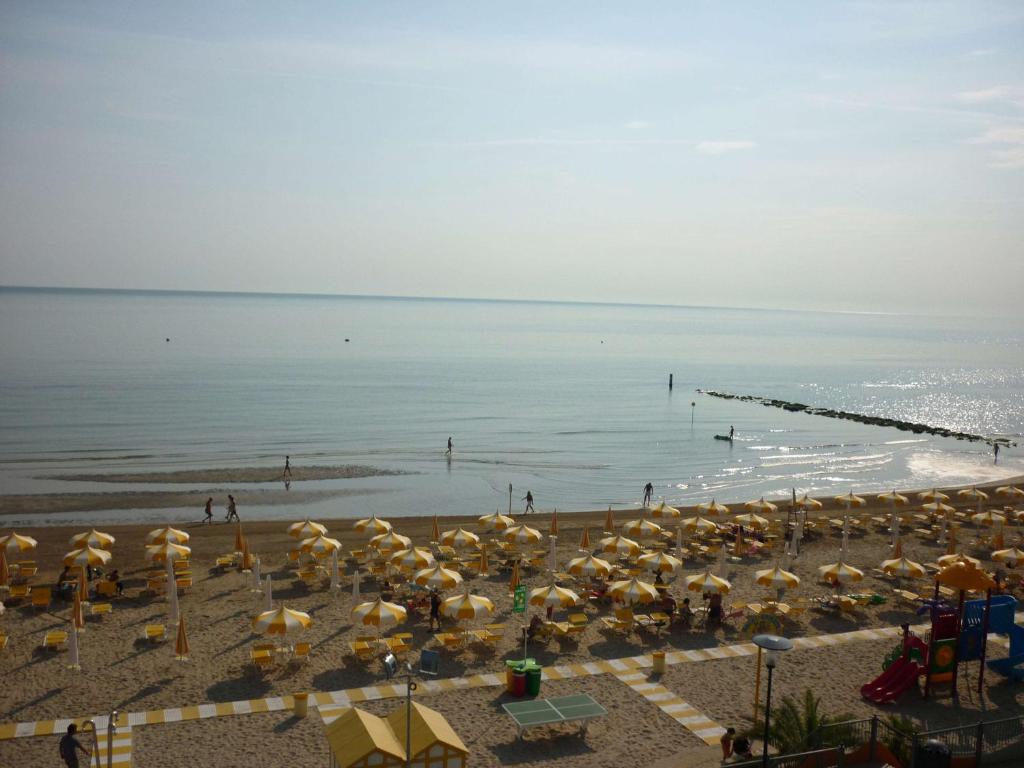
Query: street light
{"points": [[772, 645], [429, 661]]}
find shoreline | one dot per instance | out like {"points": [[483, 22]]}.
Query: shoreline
{"points": [[233, 475]]}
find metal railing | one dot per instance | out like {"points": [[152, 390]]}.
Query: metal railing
{"points": [[830, 757]]}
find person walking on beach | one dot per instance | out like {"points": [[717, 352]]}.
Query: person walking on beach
{"points": [[287, 467], [528, 498], [732, 431], [995, 449], [648, 490], [449, 451], [68, 745], [209, 512], [232, 509]]}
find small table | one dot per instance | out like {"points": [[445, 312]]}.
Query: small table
{"points": [[581, 708]]}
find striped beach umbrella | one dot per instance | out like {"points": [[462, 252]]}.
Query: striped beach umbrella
{"points": [[972, 494], [1011, 557], [438, 577], [554, 596], [850, 500], [320, 546], [589, 566], [461, 538], [904, 568], [707, 582], [390, 542], [840, 572], [379, 613], [760, 505], [988, 519], [87, 556], [161, 535], [660, 562], [698, 525], [585, 538], [281, 621], [181, 647], [15, 543], [664, 510], [712, 508], [633, 590], [956, 557], [619, 545], [92, 538], [168, 550], [932, 495], [892, 498], [776, 578], [750, 520], [496, 522], [412, 559], [521, 534], [372, 525], [937, 507], [805, 503], [306, 529], [1010, 492], [467, 606], [643, 528]]}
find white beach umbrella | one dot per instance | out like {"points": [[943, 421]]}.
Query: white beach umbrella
{"points": [[87, 556], [553, 596], [390, 542], [379, 613], [1011, 557], [932, 496], [172, 594], [73, 661], [372, 525], [521, 534], [805, 503], [461, 538], [307, 529], [161, 535], [355, 585], [319, 545], [664, 510], [750, 520], [158, 553], [707, 582], [1010, 492], [973, 494], [776, 578], [633, 590], [643, 528], [15, 543], [467, 606], [92, 538], [619, 545], [712, 508], [589, 566], [760, 505], [904, 568], [281, 621], [438, 577], [660, 562], [496, 522], [698, 525], [335, 572], [840, 572], [412, 559], [257, 582]]}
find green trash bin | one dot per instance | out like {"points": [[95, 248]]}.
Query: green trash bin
{"points": [[533, 672]]}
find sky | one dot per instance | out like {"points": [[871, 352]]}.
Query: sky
{"points": [[860, 156]]}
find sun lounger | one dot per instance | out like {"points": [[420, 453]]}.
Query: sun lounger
{"points": [[55, 639], [301, 652], [18, 592], [155, 632], [622, 621], [106, 588], [100, 609], [23, 570], [262, 658], [41, 597], [364, 651]]}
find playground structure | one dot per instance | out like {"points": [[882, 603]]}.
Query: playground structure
{"points": [[958, 634]]}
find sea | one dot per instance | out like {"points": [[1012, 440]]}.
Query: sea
{"points": [[570, 401]]}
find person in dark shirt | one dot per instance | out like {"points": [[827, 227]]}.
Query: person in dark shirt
{"points": [[68, 745], [648, 490], [435, 609]]}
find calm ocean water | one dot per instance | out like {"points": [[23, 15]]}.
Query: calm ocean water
{"points": [[568, 400]]}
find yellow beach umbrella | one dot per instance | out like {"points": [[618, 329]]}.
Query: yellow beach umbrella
{"points": [[892, 498], [14, 543], [988, 519], [761, 506], [932, 495], [281, 621], [643, 528], [437, 576], [435, 532], [1012, 557], [937, 507], [306, 529], [319, 545], [495, 522], [585, 538], [698, 525], [660, 562], [390, 542], [460, 537], [619, 545], [553, 528], [87, 556], [633, 591], [904, 568], [806, 502], [159, 553], [840, 572], [850, 500], [521, 534], [372, 525], [750, 520], [412, 559], [956, 557], [92, 538], [972, 494], [554, 596], [664, 510], [589, 566], [776, 578], [160, 535], [707, 582], [467, 606], [181, 647], [609, 521], [379, 613], [712, 508], [1010, 492]]}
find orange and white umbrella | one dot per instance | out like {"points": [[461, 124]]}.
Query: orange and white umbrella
{"points": [[379, 613], [521, 534], [159, 553], [904, 568], [92, 538], [460, 537], [633, 591], [850, 500], [553, 528], [14, 543], [585, 538], [589, 566], [988, 519], [609, 521], [776, 578], [372, 525], [932, 495], [87, 556], [956, 557], [467, 606], [643, 528], [938, 508], [320, 546], [892, 498], [1012, 557], [805, 502], [306, 529], [1010, 492], [160, 535], [698, 525], [281, 621], [554, 596], [438, 576], [390, 542], [181, 647], [750, 520], [660, 562], [712, 508], [972, 494], [760, 505], [707, 582], [495, 522], [619, 545], [412, 559], [664, 510], [840, 572]]}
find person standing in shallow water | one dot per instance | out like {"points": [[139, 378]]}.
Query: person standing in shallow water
{"points": [[287, 466], [450, 445], [232, 509], [732, 431], [648, 490], [995, 450], [209, 511]]}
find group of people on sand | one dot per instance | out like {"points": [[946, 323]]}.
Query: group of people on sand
{"points": [[231, 511]]}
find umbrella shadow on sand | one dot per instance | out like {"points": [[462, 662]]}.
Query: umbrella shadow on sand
{"points": [[149, 690], [248, 686]]}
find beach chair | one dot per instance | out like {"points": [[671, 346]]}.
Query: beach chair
{"points": [[26, 569], [363, 650], [106, 588], [184, 582], [18, 592], [182, 565], [155, 633], [301, 652], [41, 597], [621, 621], [262, 659], [54, 640], [100, 609]]}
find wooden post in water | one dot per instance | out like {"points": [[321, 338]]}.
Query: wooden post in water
{"points": [[670, 382], [510, 506]]}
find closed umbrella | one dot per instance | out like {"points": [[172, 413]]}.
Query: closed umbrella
{"points": [[87, 556], [585, 539], [633, 591], [660, 562], [390, 542], [483, 568], [73, 662], [553, 529], [435, 532], [707, 582], [257, 580], [412, 559], [335, 571], [513, 581], [552, 561], [162, 535], [642, 528], [712, 508], [664, 510], [379, 613], [462, 538], [15, 543], [496, 522], [589, 566], [894, 500], [553, 596], [609, 522], [355, 585], [438, 577], [521, 534], [181, 649], [281, 621], [92, 538], [619, 545], [306, 529], [372, 525], [268, 593], [467, 606]]}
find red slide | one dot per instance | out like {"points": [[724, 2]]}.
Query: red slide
{"points": [[891, 684]]}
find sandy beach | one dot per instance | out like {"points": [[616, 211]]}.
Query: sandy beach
{"points": [[122, 670]]}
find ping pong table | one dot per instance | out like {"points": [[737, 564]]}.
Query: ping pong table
{"points": [[580, 708]]}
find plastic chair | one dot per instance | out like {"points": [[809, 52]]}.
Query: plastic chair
{"points": [[41, 597], [155, 632]]}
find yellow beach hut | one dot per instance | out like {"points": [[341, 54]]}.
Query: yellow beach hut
{"points": [[359, 739], [433, 742]]}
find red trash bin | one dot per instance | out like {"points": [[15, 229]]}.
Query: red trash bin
{"points": [[519, 682]]}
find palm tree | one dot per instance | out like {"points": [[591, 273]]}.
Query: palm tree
{"points": [[793, 725]]}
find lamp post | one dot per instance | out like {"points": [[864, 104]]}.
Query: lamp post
{"points": [[773, 645]]}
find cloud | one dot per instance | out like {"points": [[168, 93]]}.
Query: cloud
{"points": [[980, 52], [722, 147], [637, 125], [1010, 140]]}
